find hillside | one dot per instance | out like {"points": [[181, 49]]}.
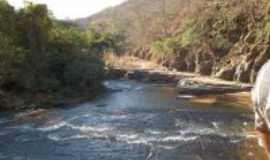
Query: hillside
{"points": [[141, 20], [224, 39]]}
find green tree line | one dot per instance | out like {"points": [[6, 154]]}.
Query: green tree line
{"points": [[40, 54]]}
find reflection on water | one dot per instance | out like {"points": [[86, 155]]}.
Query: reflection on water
{"points": [[238, 100], [136, 122]]}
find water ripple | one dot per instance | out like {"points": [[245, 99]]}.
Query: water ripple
{"points": [[53, 127]]}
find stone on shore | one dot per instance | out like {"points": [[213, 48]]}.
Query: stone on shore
{"points": [[193, 87]]}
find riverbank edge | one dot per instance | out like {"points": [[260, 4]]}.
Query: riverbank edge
{"points": [[137, 69], [131, 68], [14, 102], [128, 64]]}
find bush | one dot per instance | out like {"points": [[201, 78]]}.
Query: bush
{"points": [[84, 71], [164, 49], [189, 34]]}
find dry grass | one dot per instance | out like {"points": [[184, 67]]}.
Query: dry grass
{"points": [[131, 63]]}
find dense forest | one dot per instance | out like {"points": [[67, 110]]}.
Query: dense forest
{"points": [[43, 58], [221, 38]]}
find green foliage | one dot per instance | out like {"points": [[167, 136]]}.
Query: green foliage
{"points": [[189, 34], [7, 20], [34, 25], [106, 38], [220, 42], [157, 47], [39, 54], [264, 29], [85, 71], [64, 39], [164, 49]]}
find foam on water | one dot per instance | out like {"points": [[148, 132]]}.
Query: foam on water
{"points": [[54, 137], [84, 128], [140, 140], [73, 137], [215, 131], [133, 138], [153, 132], [128, 136], [89, 132], [53, 127], [179, 138], [151, 140], [197, 131]]}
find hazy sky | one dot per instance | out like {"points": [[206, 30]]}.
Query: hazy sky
{"points": [[70, 9]]}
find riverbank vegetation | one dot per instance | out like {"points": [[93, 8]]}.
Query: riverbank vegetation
{"points": [[219, 38], [42, 59]]}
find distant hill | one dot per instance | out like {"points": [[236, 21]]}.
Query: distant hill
{"points": [[142, 20]]}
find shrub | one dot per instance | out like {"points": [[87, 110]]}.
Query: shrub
{"points": [[40, 54], [189, 34], [84, 71]]}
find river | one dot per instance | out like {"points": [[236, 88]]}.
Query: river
{"points": [[136, 121]]}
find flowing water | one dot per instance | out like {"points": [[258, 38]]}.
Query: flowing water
{"points": [[135, 122]]}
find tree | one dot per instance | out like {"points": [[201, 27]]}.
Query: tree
{"points": [[7, 20], [34, 25]]}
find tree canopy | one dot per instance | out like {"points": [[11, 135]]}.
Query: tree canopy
{"points": [[38, 53]]}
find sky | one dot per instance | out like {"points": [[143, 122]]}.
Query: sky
{"points": [[71, 9]]}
